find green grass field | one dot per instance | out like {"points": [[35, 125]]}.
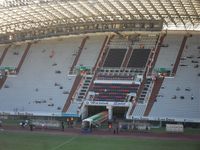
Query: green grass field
{"points": [[36, 141]]}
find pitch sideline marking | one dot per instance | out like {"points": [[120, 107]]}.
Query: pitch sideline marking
{"points": [[66, 142]]}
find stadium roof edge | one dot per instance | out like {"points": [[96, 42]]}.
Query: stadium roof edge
{"points": [[19, 15]]}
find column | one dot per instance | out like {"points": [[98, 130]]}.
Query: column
{"points": [[110, 112]]}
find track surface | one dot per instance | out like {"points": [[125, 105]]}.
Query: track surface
{"points": [[107, 133]]}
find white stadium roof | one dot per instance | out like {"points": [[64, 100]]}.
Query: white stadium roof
{"points": [[21, 15]]}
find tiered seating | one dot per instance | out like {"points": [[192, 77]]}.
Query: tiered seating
{"points": [[2, 48], [127, 57], [179, 56], [13, 56], [144, 94], [122, 71], [144, 41], [78, 53], [155, 90], [169, 50], [179, 96], [44, 81], [139, 110], [42, 85], [3, 51], [139, 58], [115, 58], [18, 54], [91, 50], [103, 76], [113, 92], [119, 43], [103, 51], [73, 108], [72, 92]]}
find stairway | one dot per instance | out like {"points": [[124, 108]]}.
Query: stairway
{"points": [[156, 53], [155, 90], [103, 53], [2, 81], [23, 58], [145, 91], [153, 56], [179, 56], [141, 87], [127, 57], [79, 53], [72, 92], [139, 110], [100, 60], [3, 78], [4, 54], [82, 93]]}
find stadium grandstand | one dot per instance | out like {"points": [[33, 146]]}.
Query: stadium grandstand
{"points": [[134, 59]]}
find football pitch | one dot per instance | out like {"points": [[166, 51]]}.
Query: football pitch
{"points": [[43, 141]]}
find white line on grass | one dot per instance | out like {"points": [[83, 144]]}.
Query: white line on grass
{"points": [[66, 142]]}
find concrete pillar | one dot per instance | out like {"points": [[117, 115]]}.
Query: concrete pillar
{"points": [[85, 112], [110, 112]]}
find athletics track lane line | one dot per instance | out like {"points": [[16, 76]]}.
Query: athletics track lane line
{"points": [[66, 142]]}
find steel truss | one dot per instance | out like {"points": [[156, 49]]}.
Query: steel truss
{"points": [[22, 16]]}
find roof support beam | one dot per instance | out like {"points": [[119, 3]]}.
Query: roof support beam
{"points": [[183, 7], [166, 11], [157, 12], [135, 8], [115, 9], [181, 19], [145, 9], [125, 9], [21, 15]]}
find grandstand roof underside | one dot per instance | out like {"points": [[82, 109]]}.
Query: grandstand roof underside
{"points": [[19, 15]]}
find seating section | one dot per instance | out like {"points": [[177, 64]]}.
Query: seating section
{"points": [[113, 92], [145, 41], [13, 55], [43, 75], [42, 85], [179, 96], [146, 91], [139, 58], [169, 50], [73, 108], [115, 58], [78, 53], [115, 76], [91, 50], [114, 84], [139, 110], [17, 53], [2, 48], [119, 42]]}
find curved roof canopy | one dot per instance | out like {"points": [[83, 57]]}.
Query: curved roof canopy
{"points": [[19, 15]]}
